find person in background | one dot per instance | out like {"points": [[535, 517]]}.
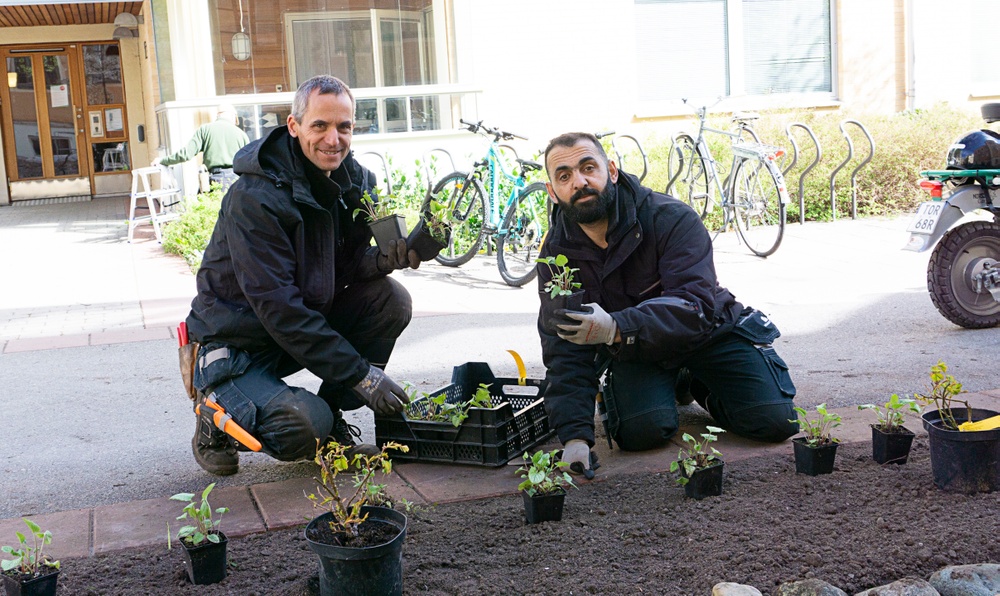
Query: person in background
{"points": [[218, 143]]}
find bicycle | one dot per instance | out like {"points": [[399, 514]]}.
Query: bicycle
{"points": [[753, 195], [476, 214]]}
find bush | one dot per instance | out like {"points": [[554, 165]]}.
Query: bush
{"points": [[905, 144], [189, 235]]}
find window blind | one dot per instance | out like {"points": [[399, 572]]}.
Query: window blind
{"points": [[786, 46]]}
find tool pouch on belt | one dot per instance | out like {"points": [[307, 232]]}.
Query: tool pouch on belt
{"points": [[188, 354], [755, 326]]}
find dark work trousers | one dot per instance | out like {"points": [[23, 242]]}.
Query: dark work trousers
{"points": [[749, 393], [222, 176], [288, 420]]}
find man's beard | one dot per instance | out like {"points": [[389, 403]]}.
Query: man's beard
{"points": [[593, 210]]}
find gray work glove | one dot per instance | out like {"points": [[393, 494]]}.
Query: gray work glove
{"points": [[590, 327], [576, 453], [380, 393], [398, 257]]}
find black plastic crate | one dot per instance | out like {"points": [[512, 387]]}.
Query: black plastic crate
{"points": [[488, 437]]}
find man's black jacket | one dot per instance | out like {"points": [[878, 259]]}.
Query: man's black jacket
{"points": [[657, 280], [279, 254]]}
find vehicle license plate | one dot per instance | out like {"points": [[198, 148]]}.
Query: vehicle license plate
{"points": [[926, 218]]}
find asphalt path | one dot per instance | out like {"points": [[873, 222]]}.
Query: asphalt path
{"points": [[94, 425]]}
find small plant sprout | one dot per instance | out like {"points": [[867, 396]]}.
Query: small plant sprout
{"points": [[817, 430], [436, 408], [29, 559], [697, 454], [375, 210], [345, 507], [891, 415], [944, 388], [438, 221], [561, 283], [204, 526], [544, 473]]}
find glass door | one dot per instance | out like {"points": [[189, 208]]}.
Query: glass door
{"points": [[42, 114]]}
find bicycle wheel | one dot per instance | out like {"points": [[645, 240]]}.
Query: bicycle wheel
{"points": [[464, 197], [689, 178], [757, 208], [519, 240]]}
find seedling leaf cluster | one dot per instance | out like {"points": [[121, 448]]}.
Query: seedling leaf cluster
{"points": [[29, 559], [817, 430], [562, 282], [891, 415], [544, 473], [696, 455], [439, 410], [205, 526]]}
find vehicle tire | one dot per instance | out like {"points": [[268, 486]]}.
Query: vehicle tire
{"points": [[465, 197], [963, 251], [687, 173], [520, 239], [757, 208]]}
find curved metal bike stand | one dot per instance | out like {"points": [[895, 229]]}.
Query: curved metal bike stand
{"points": [[642, 152], [795, 159], [427, 165], [385, 168], [854, 173]]}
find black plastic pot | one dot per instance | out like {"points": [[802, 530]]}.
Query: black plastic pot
{"points": [[814, 461], [351, 571], [421, 241], [387, 229], [550, 305], [206, 563], [964, 462], [44, 585], [541, 508], [891, 448], [704, 482]]}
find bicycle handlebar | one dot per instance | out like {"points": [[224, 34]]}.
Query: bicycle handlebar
{"points": [[495, 132]]}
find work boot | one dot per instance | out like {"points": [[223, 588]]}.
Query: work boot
{"points": [[348, 434], [212, 448], [682, 387]]}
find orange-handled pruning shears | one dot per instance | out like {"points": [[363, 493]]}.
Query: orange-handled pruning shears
{"points": [[229, 426]]}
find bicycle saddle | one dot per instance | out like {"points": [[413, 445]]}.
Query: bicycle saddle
{"points": [[529, 166], [745, 116]]}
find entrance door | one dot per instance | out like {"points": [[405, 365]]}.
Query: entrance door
{"points": [[42, 118]]}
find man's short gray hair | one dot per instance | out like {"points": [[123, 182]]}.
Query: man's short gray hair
{"points": [[325, 84]]}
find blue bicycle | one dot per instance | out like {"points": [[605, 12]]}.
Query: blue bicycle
{"points": [[516, 226]]}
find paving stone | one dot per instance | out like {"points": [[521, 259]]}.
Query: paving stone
{"points": [[70, 532]]}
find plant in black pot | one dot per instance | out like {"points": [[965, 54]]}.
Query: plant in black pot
{"points": [[543, 489], [204, 543], [359, 542], [560, 292], [891, 440], [436, 408], [700, 465], [386, 225], [816, 452], [433, 232], [31, 571], [964, 442]]}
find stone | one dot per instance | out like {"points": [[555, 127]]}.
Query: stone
{"points": [[908, 586], [809, 587], [967, 580], [734, 589]]}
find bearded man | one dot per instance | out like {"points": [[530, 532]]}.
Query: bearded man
{"points": [[653, 312]]}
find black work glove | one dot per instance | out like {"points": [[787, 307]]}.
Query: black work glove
{"points": [[398, 257], [380, 393]]}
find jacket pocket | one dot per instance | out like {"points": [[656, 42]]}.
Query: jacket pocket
{"points": [[779, 370], [218, 362]]}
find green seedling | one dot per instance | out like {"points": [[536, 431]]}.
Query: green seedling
{"points": [[543, 473], [891, 415], [944, 388], [697, 454], [817, 430], [205, 527], [562, 282], [29, 559]]}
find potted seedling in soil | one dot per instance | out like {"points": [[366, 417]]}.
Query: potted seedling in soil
{"points": [[359, 542], [816, 451], [543, 491], [204, 543], [432, 233], [964, 442], [435, 408], [31, 571], [700, 465], [559, 292], [386, 225], [890, 439]]}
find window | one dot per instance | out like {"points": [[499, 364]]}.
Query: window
{"points": [[708, 48]]}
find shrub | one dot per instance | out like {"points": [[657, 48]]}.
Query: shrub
{"points": [[189, 235]]}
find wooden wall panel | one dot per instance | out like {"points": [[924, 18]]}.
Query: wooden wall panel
{"points": [[38, 15]]}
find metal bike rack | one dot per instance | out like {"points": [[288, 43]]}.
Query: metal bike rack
{"points": [[427, 166], [854, 181], [795, 159], [642, 152], [385, 168]]}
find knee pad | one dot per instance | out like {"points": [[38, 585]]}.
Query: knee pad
{"points": [[291, 423]]}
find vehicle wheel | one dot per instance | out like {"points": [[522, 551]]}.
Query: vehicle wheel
{"points": [[760, 216], [688, 176], [519, 240], [962, 253], [464, 197]]}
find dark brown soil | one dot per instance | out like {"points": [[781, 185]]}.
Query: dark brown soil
{"points": [[862, 526]]}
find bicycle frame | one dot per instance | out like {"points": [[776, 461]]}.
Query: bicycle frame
{"points": [[710, 160]]}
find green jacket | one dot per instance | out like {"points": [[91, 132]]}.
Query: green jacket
{"points": [[219, 141]]}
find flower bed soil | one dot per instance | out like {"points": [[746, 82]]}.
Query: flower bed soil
{"points": [[862, 526]]}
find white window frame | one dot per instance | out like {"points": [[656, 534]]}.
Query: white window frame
{"points": [[738, 99]]}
